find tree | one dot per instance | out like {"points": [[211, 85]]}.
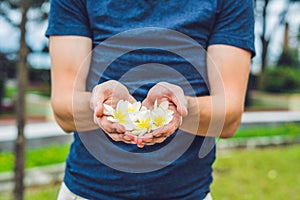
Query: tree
{"points": [[21, 115], [262, 9], [23, 7]]}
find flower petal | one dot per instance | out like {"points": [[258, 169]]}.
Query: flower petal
{"points": [[108, 110], [112, 119], [122, 106], [137, 105], [164, 105]]}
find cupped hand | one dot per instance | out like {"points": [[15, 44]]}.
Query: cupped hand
{"points": [[110, 93], [161, 92]]}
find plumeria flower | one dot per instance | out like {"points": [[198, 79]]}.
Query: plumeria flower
{"points": [[143, 124], [161, 115], [133, 109], [137, 118], [164, 106], [120, 114]]}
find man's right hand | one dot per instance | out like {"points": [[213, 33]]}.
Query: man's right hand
{"points": [[110, 93]]}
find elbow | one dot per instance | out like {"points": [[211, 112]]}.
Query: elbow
{"points": [[232, 123], [60, 112]]}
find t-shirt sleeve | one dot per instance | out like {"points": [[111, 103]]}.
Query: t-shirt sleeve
{"points": [[68, 17], [234, 24]]}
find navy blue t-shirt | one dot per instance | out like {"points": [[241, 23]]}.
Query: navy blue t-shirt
{"points": [[140, 43]]}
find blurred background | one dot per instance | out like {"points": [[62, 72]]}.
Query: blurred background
{"points": [[259, 162]]}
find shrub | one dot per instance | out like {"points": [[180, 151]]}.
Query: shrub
{"points": [[281, 80]]}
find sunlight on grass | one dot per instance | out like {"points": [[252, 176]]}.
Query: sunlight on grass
{"points": [[36, 157], [271, 173], [288, 129], [241, 174], [48, 192]]}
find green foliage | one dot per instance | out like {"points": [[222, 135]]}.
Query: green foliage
{"points": [[45, 156], [36, 157], [10, 92], [6, 160], [289, 129], [288, 58], [281, 80]]}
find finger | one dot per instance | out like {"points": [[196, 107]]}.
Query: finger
{"points": [[119, 128], [111, 127], [147, 138], [181, 103], [115, 136], [131, 99], [132, 137], [147, 103], [99, 110], [157, 132], [176, 95], [118, 137], [140, 142], [156, 140], [168, 129], [99, 94], [160, 139], [125, 137]]}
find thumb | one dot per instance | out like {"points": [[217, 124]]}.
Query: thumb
{"points": [[97, 100], [99, 109], [181, 105], [147, 103], [131, 99]]}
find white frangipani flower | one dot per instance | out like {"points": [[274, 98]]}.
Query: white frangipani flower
{"points": [[161, 115], [133, 109], [163, 106], [137, 118], [143, 124], [119, 115]]}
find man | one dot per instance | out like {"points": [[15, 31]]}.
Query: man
{"points": [[82, 84]]}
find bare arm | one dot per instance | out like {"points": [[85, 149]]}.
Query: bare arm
{"points": [[217, 115], [220, 113], [68, 76], [76, 109]]}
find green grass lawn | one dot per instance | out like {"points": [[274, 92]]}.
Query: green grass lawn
{"points": [[36, 157], [48, 192], [288, 129], [270, 173], [242, 174]]}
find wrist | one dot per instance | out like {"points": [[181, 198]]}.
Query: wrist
{"points": [[192, 105]]}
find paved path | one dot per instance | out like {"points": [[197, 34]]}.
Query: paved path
{"points": [[32, 130], [51, 129], [270, 117]]}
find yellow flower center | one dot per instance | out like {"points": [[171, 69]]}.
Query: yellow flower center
{"points": [[159, 121], [131, 110], [145, 124], [121, 117]]}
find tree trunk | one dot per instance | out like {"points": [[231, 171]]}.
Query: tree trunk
{"points": [[264, 40], [21, 114]]}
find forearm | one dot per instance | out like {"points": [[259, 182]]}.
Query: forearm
{"points": [[72, 111], [70, 60], [215, 116], [219, 114]]}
